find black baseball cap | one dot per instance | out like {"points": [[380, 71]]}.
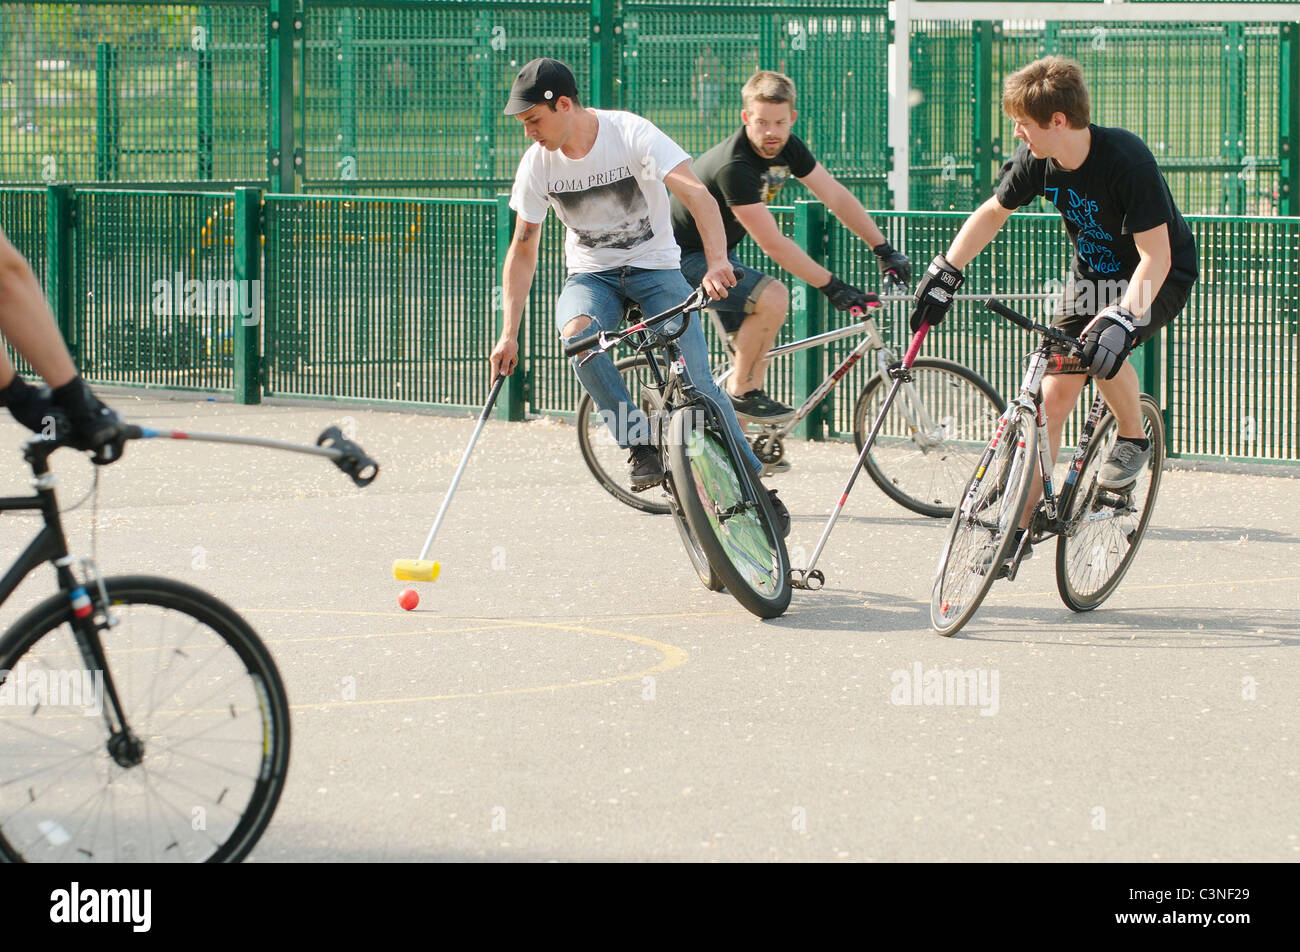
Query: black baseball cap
{"points": [[541, 80]]}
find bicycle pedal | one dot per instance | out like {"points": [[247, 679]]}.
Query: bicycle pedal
{"points": [[1009, 568], [809, 581]]}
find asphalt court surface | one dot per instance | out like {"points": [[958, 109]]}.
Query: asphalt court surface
{"points": [[568, 690]]}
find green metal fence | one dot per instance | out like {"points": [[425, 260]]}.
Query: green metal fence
{"points": [[380, 299], [398, 300], [404, 96], [1214, 101], [134, 92]]}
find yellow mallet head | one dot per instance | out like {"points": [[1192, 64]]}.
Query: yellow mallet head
{"points": [[416, 570]]}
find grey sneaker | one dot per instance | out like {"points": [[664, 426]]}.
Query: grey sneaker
{"points": [[757, 405], [1125, 462], [644, 468]]}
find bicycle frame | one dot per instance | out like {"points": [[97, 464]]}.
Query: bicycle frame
{"points": [[886, 358], [1055, 505]]}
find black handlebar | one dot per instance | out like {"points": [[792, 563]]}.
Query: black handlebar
{"points": [[574, 347], [1015, 317]]}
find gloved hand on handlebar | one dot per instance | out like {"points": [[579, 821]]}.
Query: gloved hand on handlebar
{"points": [[93, 426], [893, 262], [844, 297], [1107, 341]]}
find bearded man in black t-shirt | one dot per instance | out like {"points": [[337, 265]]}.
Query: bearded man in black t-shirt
{"points": [[744, 172], [1134, 258]]}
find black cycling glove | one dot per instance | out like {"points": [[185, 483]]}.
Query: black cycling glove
{"points": [[934, 293]]}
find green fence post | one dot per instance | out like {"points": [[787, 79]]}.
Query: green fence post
{"points": [[106, 116], [604, 61], [806, 304], [510, 403], [982, 179], [281, 161], [248, 268], [203, 97], [347, 64], [485, 92], [60, 268], [1233, 112], [1289, 126]]}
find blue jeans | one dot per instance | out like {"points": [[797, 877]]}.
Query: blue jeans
{"points": [[600, 296]]}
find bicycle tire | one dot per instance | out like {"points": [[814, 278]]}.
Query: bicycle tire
{"points": [[603, 456], [1001, 488], [1092, 557], [744, 547], [209, 658], [928, 476], [694, 551]]}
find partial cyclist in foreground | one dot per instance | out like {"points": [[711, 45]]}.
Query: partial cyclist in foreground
{"points": [[744, 173], [1134, 260], [66, 406], [607, 174]]}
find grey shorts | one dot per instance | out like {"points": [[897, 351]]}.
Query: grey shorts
{"points": [[740, 300]]}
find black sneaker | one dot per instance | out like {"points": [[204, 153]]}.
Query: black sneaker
{"points": [[782, 513], [644, 468], [757, 405]]}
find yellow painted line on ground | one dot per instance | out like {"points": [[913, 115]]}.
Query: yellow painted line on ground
{"points": [[401, 614], [673, 657], [1153, 588]]}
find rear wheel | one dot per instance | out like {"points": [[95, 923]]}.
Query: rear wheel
{"points": [[729, 513], [933, 435], [1104, 526], [601, 451], [980, 537]]}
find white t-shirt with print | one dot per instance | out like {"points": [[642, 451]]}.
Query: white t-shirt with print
{"points": [[612, 201]]}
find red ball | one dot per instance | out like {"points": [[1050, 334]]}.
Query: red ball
{"points": [[408, 599]]}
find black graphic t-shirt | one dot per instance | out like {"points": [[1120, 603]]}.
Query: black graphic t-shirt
{"points": [[1116, 192], [737, 175]]}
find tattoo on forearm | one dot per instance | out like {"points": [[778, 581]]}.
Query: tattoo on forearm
{"points": [[525, 231]]}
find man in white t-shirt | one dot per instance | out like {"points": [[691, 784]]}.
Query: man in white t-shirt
{"points": [[607, 174]]}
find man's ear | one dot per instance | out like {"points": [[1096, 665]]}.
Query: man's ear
{"points": [[794, 114], [1059, 121], [744, 117]]}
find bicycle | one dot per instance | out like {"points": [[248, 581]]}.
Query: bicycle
{"points": [[927, 444], [186, 749], [1098, 530], [725, 518]]}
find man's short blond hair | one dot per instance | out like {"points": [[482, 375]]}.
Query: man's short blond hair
{"points": [[767, 86], [1045, 87]]}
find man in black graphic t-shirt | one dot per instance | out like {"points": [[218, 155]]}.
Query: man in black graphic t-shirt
{"points": [[744, 173], [1134, 258]]}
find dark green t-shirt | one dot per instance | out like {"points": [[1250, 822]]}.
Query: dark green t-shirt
{"points": [[1116, 192], [737, 175]]}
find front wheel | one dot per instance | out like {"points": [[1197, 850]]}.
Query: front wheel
{"points": [[931, 439], [728, 512], [694, 551], [1104, 527], [175, 750], [983, 529]]}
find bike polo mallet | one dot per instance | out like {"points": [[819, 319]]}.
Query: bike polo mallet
{"points": [[423, 569], [811, 578]]}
